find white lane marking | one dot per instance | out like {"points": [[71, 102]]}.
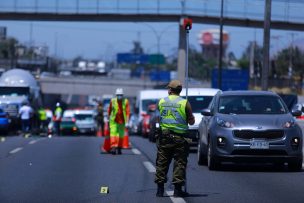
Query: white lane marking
{"points": [[33, 141], [16, 150], [149, 166], [175, 199], [136, 151]]}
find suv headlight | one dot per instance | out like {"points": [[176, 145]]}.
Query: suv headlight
{"points": [[223, 123]]}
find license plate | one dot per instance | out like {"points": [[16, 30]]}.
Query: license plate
{"points": [[259, 144]]}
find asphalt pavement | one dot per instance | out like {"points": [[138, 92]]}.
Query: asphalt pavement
{"points": [[73, 169]]}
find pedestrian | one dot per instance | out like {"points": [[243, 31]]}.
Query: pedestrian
{"points": [[100, 118], [25, 114], [119, 113], [42, 116], [57, 118], [175, 115]]}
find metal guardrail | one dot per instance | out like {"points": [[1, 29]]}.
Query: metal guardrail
{"points": [[282, 10]]}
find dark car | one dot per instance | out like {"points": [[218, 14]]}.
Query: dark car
{"points": [[249, 126], [4, 121], [68, 126]]}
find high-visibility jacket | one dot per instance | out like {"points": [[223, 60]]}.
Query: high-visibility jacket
{"points": [[115, 107], [42, 115], [58, 113], [173, 114]]}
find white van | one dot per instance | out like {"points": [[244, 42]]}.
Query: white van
{"points": [[199, 99], [147, 97], [144, 99]]}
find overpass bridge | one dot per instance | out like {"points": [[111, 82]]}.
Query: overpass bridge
{"points": [[89, 85]]}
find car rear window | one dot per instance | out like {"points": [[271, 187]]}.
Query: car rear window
{"points": [[84, 117], [251, 104]]}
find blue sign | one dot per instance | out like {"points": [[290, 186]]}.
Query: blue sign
{"points": [[132, 58], [232, 79]]}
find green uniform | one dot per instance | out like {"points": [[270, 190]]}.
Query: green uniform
{"points": [[171, 144]]}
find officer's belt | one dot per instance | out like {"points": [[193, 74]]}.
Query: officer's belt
{"points": [[171, 132]]}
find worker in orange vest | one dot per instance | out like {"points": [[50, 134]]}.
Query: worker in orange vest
{"points": [[119, 113]]}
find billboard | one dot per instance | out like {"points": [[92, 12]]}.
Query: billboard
{"points": [[212, 36]]}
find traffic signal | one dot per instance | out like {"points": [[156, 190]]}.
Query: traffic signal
{"points": [[187, 23]]}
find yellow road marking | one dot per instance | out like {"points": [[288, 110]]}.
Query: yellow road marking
{"points": [[104, 190]]}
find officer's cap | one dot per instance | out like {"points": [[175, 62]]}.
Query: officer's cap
{"points": [[175, 84]]}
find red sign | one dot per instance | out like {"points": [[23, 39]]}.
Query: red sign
{"points": [[207, 38]]}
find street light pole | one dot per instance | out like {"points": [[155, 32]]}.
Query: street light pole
{"points": [[221, 47]]}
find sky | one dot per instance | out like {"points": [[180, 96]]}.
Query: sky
{"points": [[104, 40]]}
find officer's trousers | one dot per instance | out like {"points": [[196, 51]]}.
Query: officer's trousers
{"points": [[171, 147]]}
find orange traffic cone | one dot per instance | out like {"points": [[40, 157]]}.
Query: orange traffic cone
{"points": [[125, 142], [106, 147], [99, 133], [106, 130]]}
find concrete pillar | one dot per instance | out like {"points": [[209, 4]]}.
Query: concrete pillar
{"points": [[181, 61]]}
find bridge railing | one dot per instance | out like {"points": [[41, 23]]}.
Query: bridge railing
{"points": [[282, 10]]}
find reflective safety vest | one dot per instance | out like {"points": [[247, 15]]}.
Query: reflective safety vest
{"points": [[42, 115], [173, 114], [115, 107], [58, 112]]}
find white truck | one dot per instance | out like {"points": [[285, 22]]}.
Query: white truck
{"points": [[16, 86]]}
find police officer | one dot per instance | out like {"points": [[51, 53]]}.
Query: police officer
{"points": [[175, 115]]}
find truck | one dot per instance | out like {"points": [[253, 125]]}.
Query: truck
{"points": [[17, 86]]}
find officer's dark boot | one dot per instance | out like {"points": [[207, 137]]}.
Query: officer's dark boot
{"points": [[178, 192], [113, 151], [160, 190], [119, 150]]}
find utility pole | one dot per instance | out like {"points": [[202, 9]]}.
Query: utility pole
{"points": [[290, 67], [267, 21]]}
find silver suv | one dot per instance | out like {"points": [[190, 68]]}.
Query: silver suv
{"points": [[249, 126]]}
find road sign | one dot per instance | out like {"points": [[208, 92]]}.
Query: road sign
{"points": [[132, 58], [232, 79]]}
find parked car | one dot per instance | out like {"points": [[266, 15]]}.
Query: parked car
{"points": [[153, 121], [249, 126], [4, 121], [146, 120], [85, 121], [68, 123], [133, 124], [68, 126], [300, 107]]}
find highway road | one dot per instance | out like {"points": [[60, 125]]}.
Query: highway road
{"points": [[72, 169]]}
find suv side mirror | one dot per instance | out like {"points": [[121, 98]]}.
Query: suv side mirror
{"points": [[206, 112]]}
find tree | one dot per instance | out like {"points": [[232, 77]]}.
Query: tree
{"points": [[244, 61], [289, 55]]}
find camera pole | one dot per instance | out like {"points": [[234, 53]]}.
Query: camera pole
{"points": [[187, 26]]}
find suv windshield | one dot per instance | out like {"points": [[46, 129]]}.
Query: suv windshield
{"points": [[251, 104]]}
